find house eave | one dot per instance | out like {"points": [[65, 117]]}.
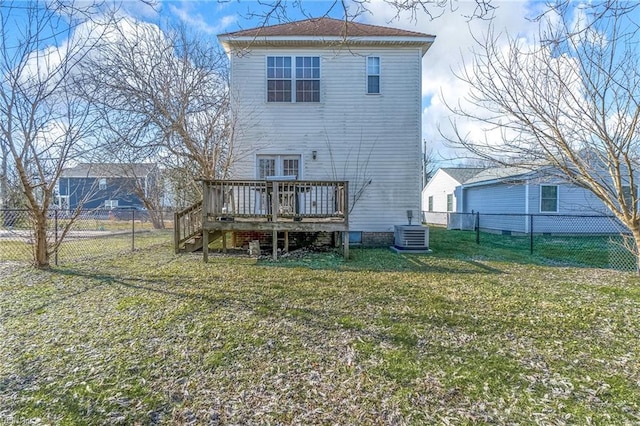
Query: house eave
{"points": [[231, 43]]}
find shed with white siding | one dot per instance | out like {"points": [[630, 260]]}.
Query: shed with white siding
{"points": [[439, 195]]}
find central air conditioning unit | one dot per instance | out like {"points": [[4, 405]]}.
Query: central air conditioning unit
{"points": [[411, 237]]}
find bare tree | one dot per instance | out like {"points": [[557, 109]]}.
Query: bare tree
{"points": [[569, 100], [429, 163], [43, 123], [354, 169], [278, 11], [4, 176], [164, 95]]}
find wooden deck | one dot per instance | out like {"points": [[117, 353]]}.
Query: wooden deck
{"points": [[267, 205]]}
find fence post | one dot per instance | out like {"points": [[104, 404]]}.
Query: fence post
{"points": [[530, 234], [55, 225], [477, 226], [133, 230]]}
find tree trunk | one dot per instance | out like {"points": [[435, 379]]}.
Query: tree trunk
{"points": [[40, 249], [635, 250], [4, 179], [157, 219]]}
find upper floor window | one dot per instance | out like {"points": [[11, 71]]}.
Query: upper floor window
{"points": [[102, 184], [373, 75], [279, 79], [430, 202], [308, 79], [288, 84], [449, 202], [548, 199]]}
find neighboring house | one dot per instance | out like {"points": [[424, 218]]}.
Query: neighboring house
{"points": [[323, 99], [105, 185], [507, 197], [439, 195]]}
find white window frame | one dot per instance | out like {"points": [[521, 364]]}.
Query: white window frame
{"points": [[102, 184], [279, 163], [110, 204], [430, 203], [450, 202], [294, 78], [557, 198], [374, 74]]}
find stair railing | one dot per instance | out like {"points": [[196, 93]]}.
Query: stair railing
{"points": [[186, 225]]}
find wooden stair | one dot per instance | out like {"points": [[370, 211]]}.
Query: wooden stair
{"points": [[187, 229], [194, 244]]}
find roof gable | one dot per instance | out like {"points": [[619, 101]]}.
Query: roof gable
{"points": [[462, 174], [327, 27], [324, 31]]}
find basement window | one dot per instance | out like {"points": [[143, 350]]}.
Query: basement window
{"points": [[355, 237]]}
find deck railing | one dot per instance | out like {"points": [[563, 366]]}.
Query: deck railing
{"points": [[274, 200]]}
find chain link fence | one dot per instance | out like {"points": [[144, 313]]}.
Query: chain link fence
{"points": [[586, 240], [92, 234]]}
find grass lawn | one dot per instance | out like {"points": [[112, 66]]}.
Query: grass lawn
{"points": [[155, 338]]}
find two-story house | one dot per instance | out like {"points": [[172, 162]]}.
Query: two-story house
{"points": [[325, 99]]}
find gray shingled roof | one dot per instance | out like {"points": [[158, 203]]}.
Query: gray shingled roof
{"points": [[498, 173], [109, 170], [327, 27], [462, 174]]}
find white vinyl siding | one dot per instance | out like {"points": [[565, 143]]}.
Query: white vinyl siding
{"points": [[374, 142], [496, 199], [439, 187]]}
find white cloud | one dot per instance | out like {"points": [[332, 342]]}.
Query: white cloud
{"points": [[142, 9], [186, 13]]}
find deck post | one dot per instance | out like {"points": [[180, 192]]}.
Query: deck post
{"points": [[286, 241], [345, 234], [345, 244], [176, 233], [224, 241], [275, 244], [205, 245], [274, 202], [206, 205]]}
